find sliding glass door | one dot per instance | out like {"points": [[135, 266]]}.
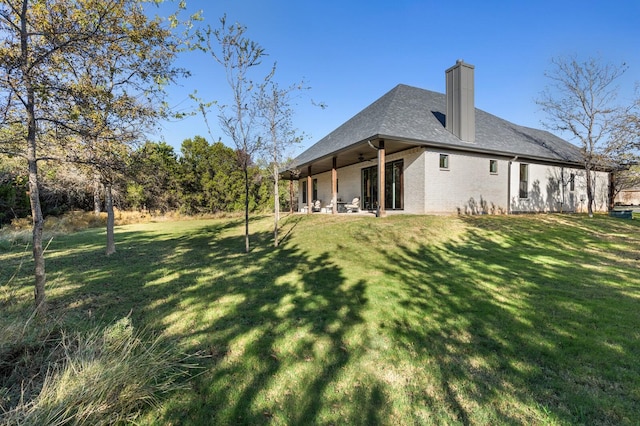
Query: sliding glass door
{"points": [[394, 186], [370, 188]]}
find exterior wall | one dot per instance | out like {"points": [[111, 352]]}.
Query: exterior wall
{"points": [[467, 186], [549, 189], [348, 185], [349, 182], [628, 197], [545, 190], [601, 192], [414, 178]]}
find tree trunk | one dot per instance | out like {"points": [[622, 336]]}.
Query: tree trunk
{"points": [[108, 201], [589, 191], [32, 161], [36, 214], [38, 227], [97, 204], [276, 207], [246, 209]]}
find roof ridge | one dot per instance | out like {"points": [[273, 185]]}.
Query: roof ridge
{"points": [[393, 95]]}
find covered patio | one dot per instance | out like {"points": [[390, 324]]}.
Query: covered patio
{"points": [[373, 150]]}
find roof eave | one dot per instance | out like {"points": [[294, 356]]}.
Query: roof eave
{"points": [[422, 143], [335, 153]]}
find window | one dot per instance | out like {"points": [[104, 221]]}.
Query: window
{"points": [[524, 181], [444, 161], [493, 167], [315, 190], [572, 182], [393, 177], [304, 191], [369, 181]]}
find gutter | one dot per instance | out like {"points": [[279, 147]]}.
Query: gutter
{"points": [[567, 162]]}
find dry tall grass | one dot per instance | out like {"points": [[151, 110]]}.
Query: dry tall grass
{"points": [[20, 229], [105, 376]]}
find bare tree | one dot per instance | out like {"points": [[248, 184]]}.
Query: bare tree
{"points": [[581, 100], [275, 105], [239, 55], [625, 151]]}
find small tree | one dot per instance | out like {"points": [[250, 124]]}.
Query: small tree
{"points": [[119, 91], [582, 101], [275, 105], [239, 55]]}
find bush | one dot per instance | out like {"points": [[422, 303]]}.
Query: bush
{"points": [[104, 376]]}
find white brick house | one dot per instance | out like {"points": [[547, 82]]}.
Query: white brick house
{"points": [[442, 155]]}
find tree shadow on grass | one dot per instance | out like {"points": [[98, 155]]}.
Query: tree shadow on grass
{"points": [[518, 315], [273, 321]]}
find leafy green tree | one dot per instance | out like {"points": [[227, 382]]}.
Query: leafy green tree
{"points": [[153, 181], [193, 165], [210, 177], [14, 201], [119, 94], [36, 38], [48, 49], [223, 184]]}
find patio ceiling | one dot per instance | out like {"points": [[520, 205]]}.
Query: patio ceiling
{"points": [[361, 152]]}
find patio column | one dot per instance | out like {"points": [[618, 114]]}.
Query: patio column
{"points": [[290, 196], [381, 189], [309, 191], [334, 186]]}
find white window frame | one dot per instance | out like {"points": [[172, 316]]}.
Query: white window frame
{"points": [[444, 159], [491, 163]]}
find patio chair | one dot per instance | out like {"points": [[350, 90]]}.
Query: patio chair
{"points": [[354, 206], [317, 206]]}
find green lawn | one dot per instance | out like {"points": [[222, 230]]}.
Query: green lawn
{"points": [[357, 320]]}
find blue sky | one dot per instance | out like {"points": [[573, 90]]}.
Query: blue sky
{"points": [[353, 52]]}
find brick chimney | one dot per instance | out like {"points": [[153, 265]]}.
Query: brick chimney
{"points": [[461, 116]]}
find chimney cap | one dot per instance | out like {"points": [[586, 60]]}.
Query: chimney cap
{"points": [[460, 63]]}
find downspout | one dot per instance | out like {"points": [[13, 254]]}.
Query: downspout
{"points": [[509, 184], [562, 189]]}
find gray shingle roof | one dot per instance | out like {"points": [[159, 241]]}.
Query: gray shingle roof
{"points": [[416, 115]]}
